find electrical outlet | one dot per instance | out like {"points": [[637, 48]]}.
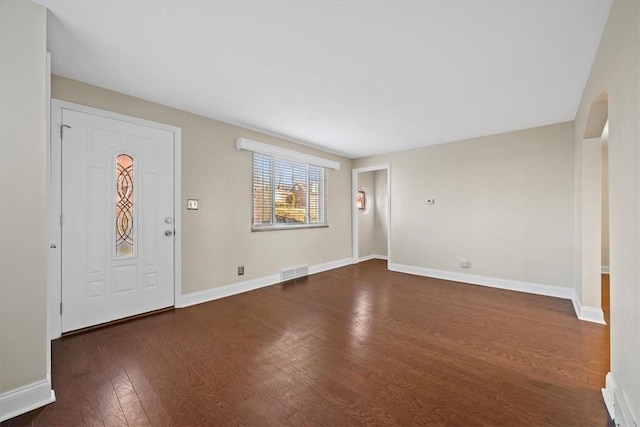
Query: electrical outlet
{"points": [[464, 263], [240, 270], [431, 201], [192, 204]]}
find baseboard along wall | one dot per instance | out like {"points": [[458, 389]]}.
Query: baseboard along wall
{"points": [[249, 285], [588, 314], [370, 257], [616, 403], [27, 398]]}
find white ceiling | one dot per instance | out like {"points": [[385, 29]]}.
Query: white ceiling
{"points": [[353, 77]]}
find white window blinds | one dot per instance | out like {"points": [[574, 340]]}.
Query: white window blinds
{"points": [[289, 187], [287, 193]]}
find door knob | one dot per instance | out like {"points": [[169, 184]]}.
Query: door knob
{"points": [[168, 233]]}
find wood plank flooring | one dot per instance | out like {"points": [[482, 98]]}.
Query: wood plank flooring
{"points": [[357, 345]]}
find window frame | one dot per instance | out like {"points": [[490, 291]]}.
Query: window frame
{"points": [[273, 225]]}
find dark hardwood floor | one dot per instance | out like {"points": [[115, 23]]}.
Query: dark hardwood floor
{"points": [[357, 345]]}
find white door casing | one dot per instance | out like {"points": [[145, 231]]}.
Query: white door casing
{"points": [[355, 250], [98, 283]]}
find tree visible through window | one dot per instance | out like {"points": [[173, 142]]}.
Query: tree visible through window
{"points": [[287, 194]]}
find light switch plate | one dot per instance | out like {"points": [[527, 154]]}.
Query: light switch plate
{"points": [[192, 204]]}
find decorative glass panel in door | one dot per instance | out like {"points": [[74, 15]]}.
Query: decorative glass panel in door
{"points": [[124, 206]]}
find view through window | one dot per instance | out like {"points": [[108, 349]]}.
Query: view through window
{"points": [[361, 200], [287, 194]]}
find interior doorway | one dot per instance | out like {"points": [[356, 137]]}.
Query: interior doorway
{"points": [[371, 213], [605, 263]]}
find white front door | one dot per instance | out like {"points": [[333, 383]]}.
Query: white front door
{"points": [[117, 219]]}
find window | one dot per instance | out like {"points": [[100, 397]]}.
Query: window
{"points": [[287, 193], [289, 187], [361, 200]]}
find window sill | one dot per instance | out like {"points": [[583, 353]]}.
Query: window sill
{"points": [[286, 227]]}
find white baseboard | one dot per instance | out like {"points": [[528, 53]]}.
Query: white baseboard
{"points": [[228, 290], [319, 268], [369, 257], [492, 282], [27, 398], [622, 411], [588, 314], [605, 269], [607, 393], [250, 285], [617, 405]]}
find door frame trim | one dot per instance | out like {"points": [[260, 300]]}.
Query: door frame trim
{"points": [[54, 184], [355, 249]]}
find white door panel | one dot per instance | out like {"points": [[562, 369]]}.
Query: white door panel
{"points": [[117, 204]]}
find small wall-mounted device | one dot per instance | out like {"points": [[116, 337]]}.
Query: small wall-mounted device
{"points": [[192, 204], [240, 270], [431, 201], [464, 263]]}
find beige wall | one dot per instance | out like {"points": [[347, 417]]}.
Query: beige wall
{"points": [[366, 218], [605, 207], [23, 203], [381, 213], [504, 202], [217, 238], [616, 71]]}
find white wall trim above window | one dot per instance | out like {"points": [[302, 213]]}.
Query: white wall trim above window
{"points": [[262, 148]]}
